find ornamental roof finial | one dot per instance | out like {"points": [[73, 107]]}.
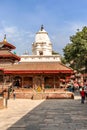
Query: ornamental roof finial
{"points": [[5, 38], [42, 27]]}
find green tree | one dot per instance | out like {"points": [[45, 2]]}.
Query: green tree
{"points": [[54, 53], [75, 52]]}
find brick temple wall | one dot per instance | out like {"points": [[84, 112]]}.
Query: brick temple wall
{"points": [[41, 95], [47, 94]]}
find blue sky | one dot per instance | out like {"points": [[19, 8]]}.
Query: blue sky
{"points": [[21, 19]]}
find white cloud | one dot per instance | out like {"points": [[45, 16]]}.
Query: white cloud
{"points": [[23, 39], [10, 30], [20, 38], [74, 25], [61, 36]]}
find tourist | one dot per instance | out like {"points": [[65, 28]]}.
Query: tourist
{"points": [[82, 93]]}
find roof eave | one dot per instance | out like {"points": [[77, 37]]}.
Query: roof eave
{"points": [[37, 71]]}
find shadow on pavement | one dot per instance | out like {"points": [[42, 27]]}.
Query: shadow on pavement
{"points": [[55, 114]]}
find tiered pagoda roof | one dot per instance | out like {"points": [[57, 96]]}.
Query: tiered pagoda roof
{"points": [[5, 52]]}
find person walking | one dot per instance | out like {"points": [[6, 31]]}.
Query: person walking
{"points": [[14, 94], [82, 93]]}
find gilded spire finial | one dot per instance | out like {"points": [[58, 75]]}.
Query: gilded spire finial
{"points": [[42, 27], [5, 38]]}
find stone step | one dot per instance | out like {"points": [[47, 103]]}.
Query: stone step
{"points": [[37, 96]]}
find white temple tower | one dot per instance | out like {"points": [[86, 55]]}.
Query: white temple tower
{"points": [[41, 49], [42, 44]]}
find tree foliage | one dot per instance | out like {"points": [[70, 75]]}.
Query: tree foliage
{"points": [[75, 52], [54, 53]]}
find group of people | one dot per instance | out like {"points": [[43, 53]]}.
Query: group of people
{"points": [[81, 87]]}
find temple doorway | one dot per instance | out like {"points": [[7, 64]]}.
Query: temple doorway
{"points": [[17, 81]]}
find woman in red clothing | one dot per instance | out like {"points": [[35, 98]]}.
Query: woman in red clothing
{"points": [[82, 93]]}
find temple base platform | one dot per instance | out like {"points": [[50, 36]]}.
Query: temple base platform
{"points": [[47, 94]]}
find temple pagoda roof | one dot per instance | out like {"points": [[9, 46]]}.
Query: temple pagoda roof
{"points": [[36, 68], [5, 52], [8, 54]]}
